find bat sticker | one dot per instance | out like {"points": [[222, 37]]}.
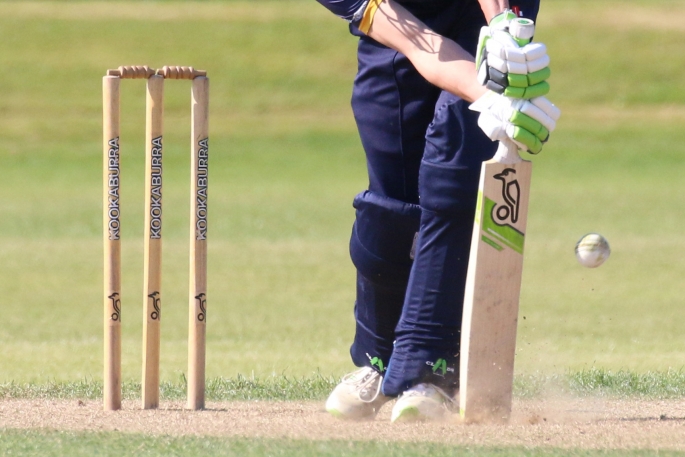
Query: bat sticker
{"points": [[497, 226], [511, 194]]}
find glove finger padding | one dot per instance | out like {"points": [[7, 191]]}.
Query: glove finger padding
{"points": [[526, 122], [506, 68]]}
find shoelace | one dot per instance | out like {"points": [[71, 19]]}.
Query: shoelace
{"points": [[362, 385]]}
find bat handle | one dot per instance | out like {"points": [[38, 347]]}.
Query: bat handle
{"points": [[522, 30], [507, 152]]}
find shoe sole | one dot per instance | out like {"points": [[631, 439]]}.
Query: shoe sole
{"points": [[409, 414], [412, 413], [335, 413]]}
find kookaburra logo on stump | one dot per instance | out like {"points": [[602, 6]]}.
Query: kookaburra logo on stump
{"points": [[508, 212]]}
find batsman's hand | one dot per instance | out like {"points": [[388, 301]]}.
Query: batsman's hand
{"points": [[507, 63], [527, 123]]}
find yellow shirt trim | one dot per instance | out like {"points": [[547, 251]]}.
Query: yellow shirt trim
{"points": [[369, 12]]}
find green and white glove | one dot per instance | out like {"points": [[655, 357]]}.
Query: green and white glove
{"points": [[507, 62], [527, 123]]}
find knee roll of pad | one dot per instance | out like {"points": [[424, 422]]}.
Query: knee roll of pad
{"points": [[383, 238]]}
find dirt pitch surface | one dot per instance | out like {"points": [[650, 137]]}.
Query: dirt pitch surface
{"points": [[566, 423]]}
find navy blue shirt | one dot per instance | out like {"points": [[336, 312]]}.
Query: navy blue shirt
{"points": [[352, 10], [345, 9]]}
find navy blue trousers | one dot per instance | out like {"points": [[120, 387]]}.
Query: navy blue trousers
{"points": [[413, 225]]}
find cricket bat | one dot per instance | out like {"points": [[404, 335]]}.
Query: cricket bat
{"points": [[493, 284], [493, 280]]}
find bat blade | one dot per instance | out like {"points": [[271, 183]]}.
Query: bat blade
{"points": [[493, 284]]}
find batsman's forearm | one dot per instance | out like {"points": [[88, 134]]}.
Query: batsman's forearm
{"points": [[452, 69], [440, 60]]}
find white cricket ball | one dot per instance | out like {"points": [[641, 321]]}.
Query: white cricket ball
{"points": [[592, 250]]}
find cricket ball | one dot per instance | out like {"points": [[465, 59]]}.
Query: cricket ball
{"points": [[592, 250]]}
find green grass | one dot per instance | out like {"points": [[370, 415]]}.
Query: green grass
{"points": [[286, 162], [652, 385], [598, 382], [278, 234], [278, 388], [48, 444]]}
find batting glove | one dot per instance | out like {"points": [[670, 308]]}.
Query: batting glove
{"points": [[527, 123], [507, 65]]}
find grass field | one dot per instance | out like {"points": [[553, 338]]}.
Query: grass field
{"points": [[285, 164], [112, 444]]}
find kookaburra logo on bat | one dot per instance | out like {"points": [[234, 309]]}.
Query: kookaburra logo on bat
{"points": [[508, 211]]}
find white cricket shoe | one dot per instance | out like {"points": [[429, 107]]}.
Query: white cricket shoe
{"points": [[358, 396], [422, 402]]}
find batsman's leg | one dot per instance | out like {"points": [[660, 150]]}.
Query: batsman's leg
{"points": [[427, 344]]}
